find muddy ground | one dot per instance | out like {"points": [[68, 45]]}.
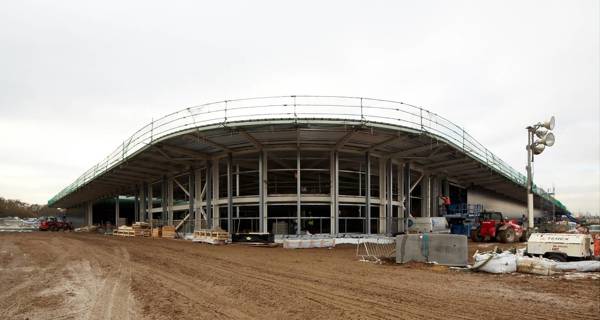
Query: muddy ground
{"points": [[86, 276]]}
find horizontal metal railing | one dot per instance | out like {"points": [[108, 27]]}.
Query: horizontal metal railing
{"points": [[301, 108]]}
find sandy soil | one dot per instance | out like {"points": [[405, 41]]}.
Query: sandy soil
{"points": [[84, 276]]}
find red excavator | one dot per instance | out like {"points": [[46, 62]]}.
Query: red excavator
{"points": [[493, 226], [54, 224]]}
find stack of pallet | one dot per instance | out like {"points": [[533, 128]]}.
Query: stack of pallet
{"points": [[168, 232], [212, 236], [156, 232], [141, 229], [124, 231]]}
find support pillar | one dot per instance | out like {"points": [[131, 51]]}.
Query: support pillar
{"points": [[382, 191], [142, 206], [117, 211], [170, 201], [407, 207], [400, 222], [209, 194], [192, 200], [435, 196], [334, 187], [426, 195], [89, 213], [368, 193], [150, 204], [298, 194], [198, 199], [136, 207], [262, 168], [390, 196], [230, 193], [164, 201], [215, 195]]}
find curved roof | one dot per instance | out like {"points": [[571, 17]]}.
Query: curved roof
{"points": [[386, 114]]}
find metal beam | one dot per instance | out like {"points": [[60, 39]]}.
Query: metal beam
{"points": [[181, 187], [341, 142], [200, 138], [385, 142], [459, 166], [251, 139], [446, 163], [416, 182], [185, 151], [415, 150]]}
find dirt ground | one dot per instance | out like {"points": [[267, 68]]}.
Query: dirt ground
{"points": [[85, 276]]}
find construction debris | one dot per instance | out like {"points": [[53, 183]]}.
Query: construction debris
{"points": [[376, 249], [212, 236], [308, 243], [141, 229], [124, 231], [494, 262], [169, 232], [87, 229], [509, 262], [15, 224]]}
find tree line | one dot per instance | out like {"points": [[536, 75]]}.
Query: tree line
{"points": [[18, 208]]}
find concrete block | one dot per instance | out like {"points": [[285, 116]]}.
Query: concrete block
{"points": [[444, 249]]}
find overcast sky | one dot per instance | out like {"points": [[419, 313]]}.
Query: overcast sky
{"points": [[78, 77]]}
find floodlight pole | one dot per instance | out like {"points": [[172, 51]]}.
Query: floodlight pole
{"points": [[530, 132]]}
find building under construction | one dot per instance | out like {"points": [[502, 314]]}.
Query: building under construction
{"points": [[297, 164]]}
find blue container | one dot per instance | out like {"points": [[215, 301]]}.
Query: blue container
{"points": [[461, 228]]}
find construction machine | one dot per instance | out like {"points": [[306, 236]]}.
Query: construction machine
{"points": [[493, 226]]}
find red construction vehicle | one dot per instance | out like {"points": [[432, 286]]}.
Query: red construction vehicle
{"points": [[493, 226], [54, 224]]}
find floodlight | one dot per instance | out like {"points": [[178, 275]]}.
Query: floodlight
{"points": [[549, 124], [547, 140], [541, 132], [538, 148]]}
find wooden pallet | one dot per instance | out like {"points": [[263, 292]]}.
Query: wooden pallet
{"points": [[141, 232], [156, 232], [212, 236], [169, 232], [124, 232]]}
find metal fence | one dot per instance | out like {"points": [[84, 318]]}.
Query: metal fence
{"points": [[400, 115]]}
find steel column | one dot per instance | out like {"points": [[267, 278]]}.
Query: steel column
{"points": [[381, 221], [198, 199], [334, 186], [298, 193], [170, 201], [136, 205], [89, 213], [117, 212], [368, 192], [142, 206], [150, 204], [163, 201], [262, 168], [192, 200], [400, 214], [390, 196], [229, 193], [407, 206], [209, 194]]}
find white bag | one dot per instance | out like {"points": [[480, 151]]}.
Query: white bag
{"points": [[504, 262]]}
